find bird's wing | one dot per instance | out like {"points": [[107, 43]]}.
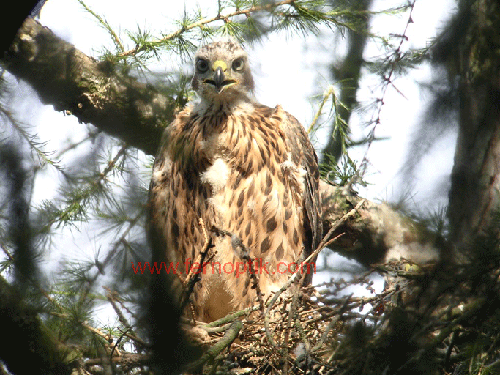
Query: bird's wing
{"points": [[303, 155], [161, 188]]}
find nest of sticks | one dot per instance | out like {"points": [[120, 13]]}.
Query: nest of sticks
{"points": [[432, 320], [300, 331], [428, 320]]}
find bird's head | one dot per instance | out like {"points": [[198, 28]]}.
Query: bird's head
{"points": [[222, 73]]}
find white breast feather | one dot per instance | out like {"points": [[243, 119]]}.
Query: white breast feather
{"points": [[216, 175]]}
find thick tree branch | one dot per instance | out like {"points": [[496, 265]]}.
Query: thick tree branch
{"points": [[137, 113], [378, 233], [92, 91], [475, 182]]}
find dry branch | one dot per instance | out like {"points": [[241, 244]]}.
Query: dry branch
{"points": [[90, 90], [127, 359], [377, 233]]}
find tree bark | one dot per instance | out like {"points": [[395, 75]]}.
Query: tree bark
{"points": [[475, 190], [17, 13], [378, 233], [92, 91], [137, 113]]}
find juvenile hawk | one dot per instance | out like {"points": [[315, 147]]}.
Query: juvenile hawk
{"points": [[244, 169]]}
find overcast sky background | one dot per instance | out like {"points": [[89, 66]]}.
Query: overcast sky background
{"points": [[289, 70]]}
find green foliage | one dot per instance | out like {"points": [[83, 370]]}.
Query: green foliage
{"points": [[341, 173], [242, 19], [100, 193]]}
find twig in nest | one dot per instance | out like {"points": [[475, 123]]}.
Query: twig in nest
{"points": [[290, 281], [326, 241], [332, 323], [244, 254], [291, 315], [193, 277], [229, 318]]}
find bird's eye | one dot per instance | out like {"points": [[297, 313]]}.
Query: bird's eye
{"points": [[238, 64], [201, 65]]}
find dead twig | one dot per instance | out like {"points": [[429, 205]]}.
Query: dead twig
{"points": [[324, 242], [192, 277], [291, 315], [244, 254], [112, 297], [332, 324]]}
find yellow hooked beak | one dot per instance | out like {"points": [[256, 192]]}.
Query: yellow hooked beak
{"points": [[219, 78], [219, 64]]}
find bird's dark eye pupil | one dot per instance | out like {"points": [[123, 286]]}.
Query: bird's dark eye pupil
{"points": [[238, 64], [202, 65]]}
